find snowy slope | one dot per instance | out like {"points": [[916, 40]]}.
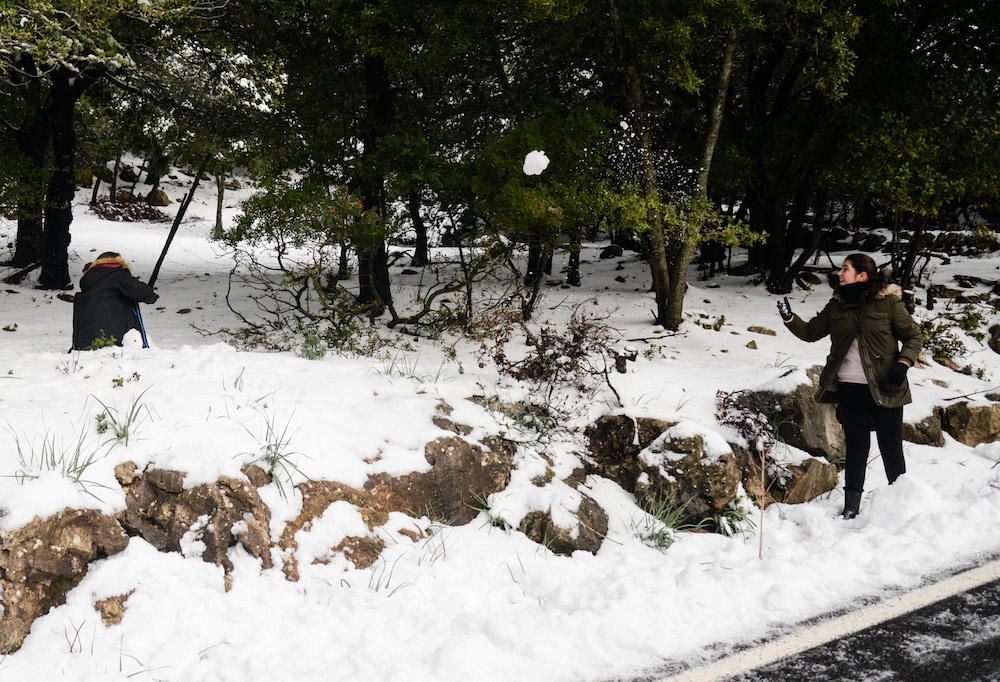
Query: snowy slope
{"points": [[471, 602]]}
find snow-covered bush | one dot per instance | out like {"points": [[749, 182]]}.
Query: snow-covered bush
{"points": [[578, 355]]}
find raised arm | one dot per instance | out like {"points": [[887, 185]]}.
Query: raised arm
{"points": [[813, 330]]}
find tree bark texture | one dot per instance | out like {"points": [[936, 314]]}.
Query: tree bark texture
{"points": [[220, 186], [32, 143], [682, 250], [373, 267], [421, 254], [650, 185], [67, 87], [32, 140]]}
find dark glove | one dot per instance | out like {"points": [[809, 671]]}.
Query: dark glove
{"points": [[785, 309], [897, 375]]}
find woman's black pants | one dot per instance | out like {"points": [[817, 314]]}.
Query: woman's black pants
{"points": [[859, 415]]}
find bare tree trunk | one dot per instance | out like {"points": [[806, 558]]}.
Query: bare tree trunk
{"points": [[67, 87], [138, 173], [420, 255], [220, 186], [373, 262], [650, 186], [32, 139], [683, 250], [573, 267], [343, 268], [114, 177], [97, 189], [819, 220]]}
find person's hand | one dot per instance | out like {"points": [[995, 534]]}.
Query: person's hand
{"points": [[897, 375], [785, 309]]}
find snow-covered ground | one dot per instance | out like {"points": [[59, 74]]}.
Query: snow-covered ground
{"points": [[469, 602]]}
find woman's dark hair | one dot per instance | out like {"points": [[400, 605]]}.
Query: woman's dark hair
{"points": [[862, 262], [109, 254]]}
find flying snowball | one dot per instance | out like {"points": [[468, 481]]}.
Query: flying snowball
{"points": [[535, 162]]}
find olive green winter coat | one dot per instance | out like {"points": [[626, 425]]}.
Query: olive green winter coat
{"points": [[880, 324]]}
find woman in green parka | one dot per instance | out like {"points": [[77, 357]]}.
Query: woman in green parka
{"points": [[874, 342]]}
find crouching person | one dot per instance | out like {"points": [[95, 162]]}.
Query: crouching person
{"points": [[107, 306]]}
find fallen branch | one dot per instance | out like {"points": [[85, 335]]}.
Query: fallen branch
{"points": [[659, 336], [179, 217], [19, 276], [976, 280], [969, 395]]}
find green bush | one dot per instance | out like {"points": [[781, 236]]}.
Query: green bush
{"points": [[313, 347], [102, 342]]}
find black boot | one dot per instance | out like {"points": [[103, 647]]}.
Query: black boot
{"points": [[852, 504]]}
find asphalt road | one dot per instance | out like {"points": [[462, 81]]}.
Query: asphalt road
{"points": [[954, 640]]}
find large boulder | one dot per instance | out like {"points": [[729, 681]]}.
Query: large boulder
{"points": [[994, 342], [589, 533], [791, 482], [928, 431], [157, 197], [43, 560], [798, 419], [679, 468], [803, 482], [972, 424], [614, 443], [462, 475], [218, 515], [612, 251]]}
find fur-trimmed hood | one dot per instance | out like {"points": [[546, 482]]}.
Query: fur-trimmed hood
{"points": [[888, 290], [117, 261]]}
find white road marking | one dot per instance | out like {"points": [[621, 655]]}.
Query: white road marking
{"points": [[839, 627]]}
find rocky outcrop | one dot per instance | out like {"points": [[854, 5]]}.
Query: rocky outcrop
{"points": [[219, 515], [803, 482], [635, 454], [972, 424], [679, 469], [587, 536], [46, 558], [928, 431], [614, 443], [461, 477], [645, 459], [798, 419], [784, 482], [813, 427], [446, 424]]}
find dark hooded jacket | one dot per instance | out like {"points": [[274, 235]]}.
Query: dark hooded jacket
{"points": [[885, 333], [105, 305]]}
